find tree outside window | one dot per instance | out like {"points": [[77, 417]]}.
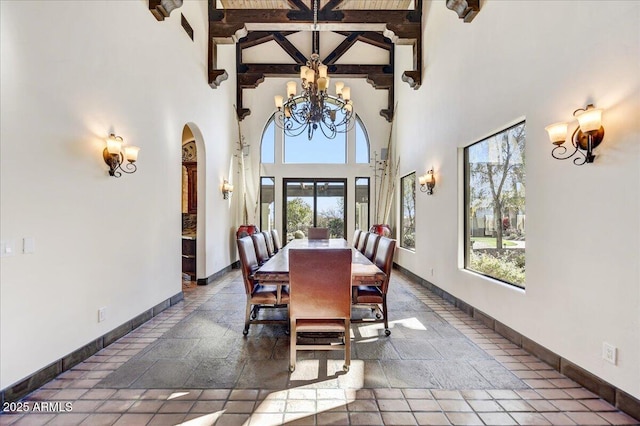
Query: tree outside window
{"points": [[408, 212], [495, 206]]}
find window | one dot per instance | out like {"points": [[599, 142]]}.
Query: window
{"points": [[268, 145], [267, 203], [319, 150], [362, 203], [408, 212], [495, 206], [362, 143], [314, 202]]}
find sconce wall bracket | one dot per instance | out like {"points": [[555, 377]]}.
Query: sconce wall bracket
{"points": [[115, 163]]}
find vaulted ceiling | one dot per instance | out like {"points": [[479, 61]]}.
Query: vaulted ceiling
{"points": [[340, 24]]}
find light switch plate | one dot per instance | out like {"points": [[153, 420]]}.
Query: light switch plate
{"points": [[7, 248], [28, 245]]}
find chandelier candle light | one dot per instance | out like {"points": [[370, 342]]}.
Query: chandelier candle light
{"points": [[314, 108]]}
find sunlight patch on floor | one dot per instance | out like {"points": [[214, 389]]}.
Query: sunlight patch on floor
{"points": [[376, 330]]}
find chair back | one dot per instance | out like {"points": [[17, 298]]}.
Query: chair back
{"points": [[356, 236], [277, 244], [318, 233], [362, 241], [260, 245], [269, 240], [320, 283], [371, 246], [384, 259], [248, 262]]}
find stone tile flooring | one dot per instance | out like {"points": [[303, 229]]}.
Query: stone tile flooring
{"points": [[191, 365]]}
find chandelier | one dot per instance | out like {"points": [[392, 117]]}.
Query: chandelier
{"points": [[315, 108]]}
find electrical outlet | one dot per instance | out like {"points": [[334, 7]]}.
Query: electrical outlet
{"points": [[102, 314], [432, 271], [609, 353]]}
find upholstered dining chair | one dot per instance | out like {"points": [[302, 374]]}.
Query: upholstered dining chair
{"points": [[260, 244], [356, 237], [277, 244], [257, 295], [376, 296], [318, 233], [362, 241], [319, 299], [269, 240], [371, 246]]}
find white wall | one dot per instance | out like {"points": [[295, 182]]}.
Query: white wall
{"points": [[72, 72], [540, 61]]}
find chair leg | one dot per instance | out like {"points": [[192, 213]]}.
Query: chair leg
{"points": [[246, 319], [385, 316], [292, 345], [347, 345]]}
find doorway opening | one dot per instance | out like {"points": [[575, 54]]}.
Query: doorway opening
{"points": [[314, 202], [189, 206]]}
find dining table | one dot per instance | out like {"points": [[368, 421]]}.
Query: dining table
{"points": [[276, 270]]}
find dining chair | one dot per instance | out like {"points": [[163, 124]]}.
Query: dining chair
{"points": [[277, 244], [356, 236], [269, 240], [260, 244], [319, 299], [318, 233], [362, 241], [258, 295], [376, 296], [371, 246]]}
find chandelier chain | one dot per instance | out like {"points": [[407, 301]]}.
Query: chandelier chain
{"points": [[315, 15]]}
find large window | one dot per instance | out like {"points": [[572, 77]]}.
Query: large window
{"points": [[408, 211], [495, 206], [267, 203], [362, 203], [314, 202]]}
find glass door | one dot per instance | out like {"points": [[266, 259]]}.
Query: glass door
{"points": [[314, 202]]}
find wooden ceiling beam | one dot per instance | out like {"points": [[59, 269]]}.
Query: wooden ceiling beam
{"points": [[342, 48], [298, 4], [292, 70], [283, 16]]}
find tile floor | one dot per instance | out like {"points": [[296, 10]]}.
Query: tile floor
{"points": [[191, 365]]}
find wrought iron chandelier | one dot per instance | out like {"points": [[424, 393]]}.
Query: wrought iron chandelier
{"points": [[315, 108]]}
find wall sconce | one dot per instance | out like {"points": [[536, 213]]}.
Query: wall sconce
{"points": [[114, 157], [227, 189], [585, 137], [427, 182]]}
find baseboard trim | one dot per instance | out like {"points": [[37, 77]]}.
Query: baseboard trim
{"points": [[211, 278], [617, 397], [46, 374]]}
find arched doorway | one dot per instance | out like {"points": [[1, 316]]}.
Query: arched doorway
{"points": [[193, 204]]}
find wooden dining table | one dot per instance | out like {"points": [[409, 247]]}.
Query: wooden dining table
{"points": [[276, 270]]}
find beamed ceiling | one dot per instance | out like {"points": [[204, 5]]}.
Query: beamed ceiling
{"points": [[379, 24]]}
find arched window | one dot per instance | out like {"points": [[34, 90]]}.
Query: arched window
{"points": [[362, 142], [268, 146], [319, 150]]}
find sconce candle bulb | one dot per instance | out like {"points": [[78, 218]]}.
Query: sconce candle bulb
{"points": [[427, 182], [227, 189], [586, 137], [115, 159]]}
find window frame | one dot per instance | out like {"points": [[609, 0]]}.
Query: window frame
{"points": [[402, 209], [467, 243]]}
